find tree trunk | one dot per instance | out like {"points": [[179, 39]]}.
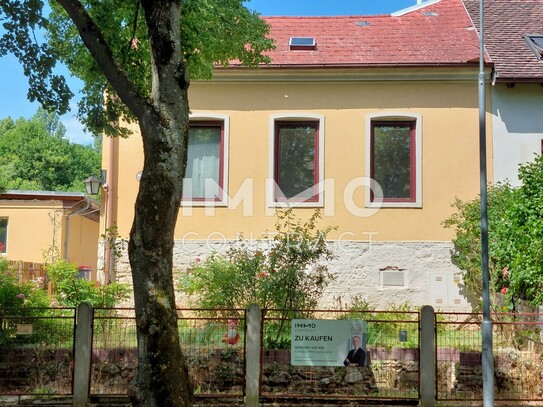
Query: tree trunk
{"points": [[162, 379]]}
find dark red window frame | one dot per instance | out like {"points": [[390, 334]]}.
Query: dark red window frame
{"points": [[411, 124], [277, 159], [212, 123]]}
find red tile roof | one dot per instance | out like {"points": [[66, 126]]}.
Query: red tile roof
{"points": [[506, 24], [436, 34]]}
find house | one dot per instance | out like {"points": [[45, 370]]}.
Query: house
{"points": [[41, 226], [371, 119], [513, 34]]}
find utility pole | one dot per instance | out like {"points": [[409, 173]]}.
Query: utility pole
{"points": [[487, 354]]}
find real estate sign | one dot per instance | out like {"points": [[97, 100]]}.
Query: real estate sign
{"points": [[320, 342]]}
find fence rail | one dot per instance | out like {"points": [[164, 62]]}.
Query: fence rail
{"points": [[215, 360], [517, 348], [36, 351], [37, 355]]}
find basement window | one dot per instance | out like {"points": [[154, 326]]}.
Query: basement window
{"points": [[302, 43], [535, 42]]}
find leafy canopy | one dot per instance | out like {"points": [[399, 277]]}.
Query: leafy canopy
{"points": [[34, 155], [212, 32], [515, 229]]}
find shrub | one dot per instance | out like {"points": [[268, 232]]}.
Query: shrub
{"points": [[19, 294], [289, 274], [18, 301], [515, 230], [70, 290]]}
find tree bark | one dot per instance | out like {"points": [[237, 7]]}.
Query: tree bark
{"points": [[162, 378]]}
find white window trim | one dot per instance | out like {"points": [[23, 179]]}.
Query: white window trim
{"points": [[270, 185], [397, 116], [225, 119]]}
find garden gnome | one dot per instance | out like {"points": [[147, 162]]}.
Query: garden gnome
{"points": [[231, 337]]}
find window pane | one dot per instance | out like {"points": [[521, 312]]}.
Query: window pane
{"points": [[3, 235], [392, 145], [202, 178], [295, 172]]}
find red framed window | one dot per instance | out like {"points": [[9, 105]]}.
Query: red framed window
{"points": [[296, 156], [3, 235], [393, 159], [204, 176]]}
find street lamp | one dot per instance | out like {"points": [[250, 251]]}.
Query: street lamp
{"points": [[92, 185]]}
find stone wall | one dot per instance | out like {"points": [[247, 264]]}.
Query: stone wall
{"points": [[358, 267]]}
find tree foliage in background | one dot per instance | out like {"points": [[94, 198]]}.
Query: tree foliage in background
{"points": [[139, 58], [515, 230], [35, 155]]}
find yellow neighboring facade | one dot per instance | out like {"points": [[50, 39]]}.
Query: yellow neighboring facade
{"points": [[34, 222]]}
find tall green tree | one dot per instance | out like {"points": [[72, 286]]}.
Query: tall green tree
{"points": [[34, 155], [140, 55]]}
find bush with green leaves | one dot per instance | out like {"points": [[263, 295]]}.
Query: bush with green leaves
{"points": [[291, 273], [18, 301], [16, 294], [70, 290], [515, 231]]}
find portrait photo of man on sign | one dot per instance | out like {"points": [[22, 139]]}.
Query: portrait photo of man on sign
{"points": [[357, 355]]}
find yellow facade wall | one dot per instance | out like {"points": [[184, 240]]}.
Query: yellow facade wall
{"points": [[34, 226], [450, 154]]}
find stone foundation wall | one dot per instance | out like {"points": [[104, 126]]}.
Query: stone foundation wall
{"points": [[358, 267]]}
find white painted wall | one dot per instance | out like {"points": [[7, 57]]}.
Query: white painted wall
{"points": [[517, 126], [430, 277]]}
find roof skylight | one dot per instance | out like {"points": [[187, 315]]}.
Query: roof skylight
{"points": [[535, 42], [302, 43]]}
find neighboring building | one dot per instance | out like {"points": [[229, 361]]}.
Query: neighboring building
{"points": [[345, 99], [35, 225], [513, 35]]}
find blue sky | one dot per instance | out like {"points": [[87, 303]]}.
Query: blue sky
{"points": [[13, 83]]}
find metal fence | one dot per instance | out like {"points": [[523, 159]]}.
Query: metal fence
{"points": [[36, 351], [212, 341], [37, 355], [392, 363], [517, 347]]}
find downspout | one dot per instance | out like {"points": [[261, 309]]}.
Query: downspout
{"points": [[110, 216], [66, 243]]}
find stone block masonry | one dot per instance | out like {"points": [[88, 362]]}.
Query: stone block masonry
{"points": [[381, 273]]}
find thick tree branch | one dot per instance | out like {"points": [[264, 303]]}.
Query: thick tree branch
{"points": [[95, 42]]}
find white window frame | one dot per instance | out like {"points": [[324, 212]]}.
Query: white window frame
{"points": [[271, 187], [397, 116], [225, 121]]}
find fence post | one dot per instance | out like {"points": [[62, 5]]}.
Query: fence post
{"points": [[427, 357], [252, 374], [82, 357]]}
